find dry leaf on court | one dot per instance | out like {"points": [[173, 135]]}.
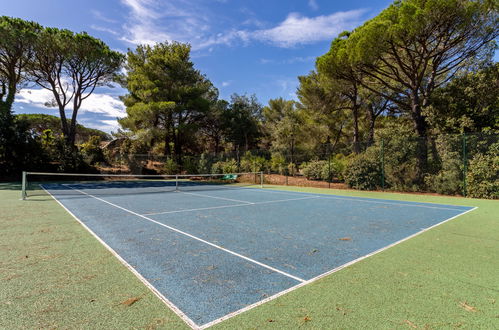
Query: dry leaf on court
{"points": [[467, 307], [130, 301], [410, 324], [345, 239]]}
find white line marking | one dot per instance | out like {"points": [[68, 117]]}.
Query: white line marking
{"points": [[195, 237], [367, 200], [209, 196], [229, 206], [151, 287], [277, 295]]}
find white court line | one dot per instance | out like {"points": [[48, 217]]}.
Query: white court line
{"points": [[359, 199], [194, 237], [235, 205], [277, 295], [209, 196], [151, 287]]}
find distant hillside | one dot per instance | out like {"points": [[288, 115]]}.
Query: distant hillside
{"points": [[40, 122]]}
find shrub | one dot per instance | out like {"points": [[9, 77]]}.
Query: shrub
{"points": [[483, 174], [364, 171], [170, 167], [228, 166], [92, 151], [446, 157], [314, 169], [252, 163], [278, 163]]}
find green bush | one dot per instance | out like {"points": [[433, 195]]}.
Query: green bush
{"points": [[278, 163], [446, 158], [364, 171], [483, 174], [315, 169], [252, 163], [170, 167], [92, 151], [227, 166]]}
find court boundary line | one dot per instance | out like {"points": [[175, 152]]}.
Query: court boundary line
{"points": [[196, 238], [215, 197], [234, 205], [334, 270], [363, 199], [139, 276]]}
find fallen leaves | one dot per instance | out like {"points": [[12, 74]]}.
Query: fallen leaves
{"points": [[345, 239], [467, 307], [130, 301], [412, 325]]}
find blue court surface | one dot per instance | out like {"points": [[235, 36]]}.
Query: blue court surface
{"points": [[211, 253]]}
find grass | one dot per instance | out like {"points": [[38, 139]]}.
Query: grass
{"points": [[53, 274]]}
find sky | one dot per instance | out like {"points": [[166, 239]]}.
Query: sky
{"points": [[246, 47]]}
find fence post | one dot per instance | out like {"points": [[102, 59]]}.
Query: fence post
{"points": [[465, 169], [382, 164], [23, 188]]}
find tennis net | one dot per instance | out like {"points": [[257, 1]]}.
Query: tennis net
{"points": [[34, 183]]}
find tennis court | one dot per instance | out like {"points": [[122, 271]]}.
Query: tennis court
{"points": [[212, 251]]}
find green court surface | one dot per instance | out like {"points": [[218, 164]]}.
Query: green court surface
{"points": [[54, 274]]}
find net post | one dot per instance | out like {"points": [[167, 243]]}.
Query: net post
{"points": [[176, 182], [382, 164], [261, 179], [23, 186], [465, 170]]}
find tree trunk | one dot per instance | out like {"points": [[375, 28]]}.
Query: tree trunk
{"points": [[356, 146], [421, 128], [372, 122]]}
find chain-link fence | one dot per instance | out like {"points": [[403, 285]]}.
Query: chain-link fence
{"points": [[466, 164]]}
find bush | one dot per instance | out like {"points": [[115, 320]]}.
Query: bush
{"points": [[228, 166], [315, 169], [278, 163], [252, 163], [190, 164], [448, 161], [364, 171], [170, 167], [483, 174], [92, 151]]}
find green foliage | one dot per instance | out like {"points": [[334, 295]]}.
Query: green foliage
{"points": [[364, 171], [278, 163], [315, 169], [469, 103], [227, 166], [167, 98], [448, 180], [170, 167], [92, 150], [483, 174], [252, 163]]}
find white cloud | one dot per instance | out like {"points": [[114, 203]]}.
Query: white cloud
{"points": [[103, 29], [153, 21], [297, 29], [100, 16], [313, 4], [226, 83], [96, 103]]}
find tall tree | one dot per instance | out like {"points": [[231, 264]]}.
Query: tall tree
{"points": [[416, 46], [242, 122], [327, 119], [71, 65], [283, 123], [167, 95], [469, 103], [17, 38]]}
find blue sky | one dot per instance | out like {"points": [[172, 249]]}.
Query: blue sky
{"points": [[246, 47]]}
